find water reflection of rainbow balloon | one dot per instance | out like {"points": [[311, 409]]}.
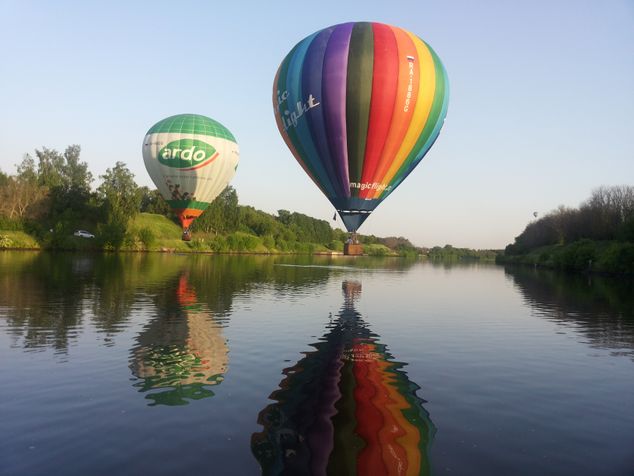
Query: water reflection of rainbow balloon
{"points": [[345, 408]]}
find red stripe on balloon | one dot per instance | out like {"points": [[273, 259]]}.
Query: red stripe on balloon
{"points": [[384, 86], [369, 418], [213, 157]]}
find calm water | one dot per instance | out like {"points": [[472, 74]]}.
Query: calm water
{"points": [[167, 364]]}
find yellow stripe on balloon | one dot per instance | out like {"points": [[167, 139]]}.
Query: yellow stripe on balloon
{"points": [[393, 455], [409, 438], [426, 92]]}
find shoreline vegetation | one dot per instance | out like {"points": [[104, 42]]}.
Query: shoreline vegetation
{"points": [[50, 198], [596, 237], [148, 232]]}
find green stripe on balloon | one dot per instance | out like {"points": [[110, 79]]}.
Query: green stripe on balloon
{"points": [[358, 96], [188, 204], [192, 124]]}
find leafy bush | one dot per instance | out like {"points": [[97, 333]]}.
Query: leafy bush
{"points": [[111, 235], [269, 242], [617, 258], [376, 250], [303, 248], [577, 256], [219, 244], [12, 225], [18, 240], [282, 245], [61, 238], [5, 242], [131, 242], [336, 245], [147, 237], [408, 252], [240, 241], [198, 244]]}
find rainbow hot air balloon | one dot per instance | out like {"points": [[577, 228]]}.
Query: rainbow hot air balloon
{"points": [[191, 159], [359, 105]]}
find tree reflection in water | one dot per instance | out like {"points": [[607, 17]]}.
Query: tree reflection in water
{"points": [[600, 308], [345, 408], [182, 353]]}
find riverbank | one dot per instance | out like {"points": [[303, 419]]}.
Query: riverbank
{"points": [[613, 257], [149, 232]]}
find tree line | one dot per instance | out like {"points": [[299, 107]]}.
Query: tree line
{"points": [[51, 195], [607, 215], [596, 236]]}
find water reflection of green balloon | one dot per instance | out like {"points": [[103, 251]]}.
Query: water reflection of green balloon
{"points": [[173, 365], [181, 354]]}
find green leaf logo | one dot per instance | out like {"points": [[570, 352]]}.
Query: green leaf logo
{"points": [[187, 154]]}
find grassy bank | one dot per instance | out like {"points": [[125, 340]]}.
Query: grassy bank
{"points": [[583, 255], [12, 239], [153, 232]]}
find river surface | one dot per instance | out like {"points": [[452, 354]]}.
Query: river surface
{"points": [[245, 365]]}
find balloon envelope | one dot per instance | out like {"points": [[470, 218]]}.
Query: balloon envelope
{"points": [[359, 105], [191, 159]]}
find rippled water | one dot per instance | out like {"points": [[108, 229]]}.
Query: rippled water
{"points": [[166, 364]]}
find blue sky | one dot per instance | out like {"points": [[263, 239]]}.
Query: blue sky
{"points": [[540, 113]]}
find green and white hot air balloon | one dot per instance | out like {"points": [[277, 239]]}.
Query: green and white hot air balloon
{"points": [[191, 159]]}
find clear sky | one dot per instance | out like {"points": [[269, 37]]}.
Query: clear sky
{"points": [[540, 112]]}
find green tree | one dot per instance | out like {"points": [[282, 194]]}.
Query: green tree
{"points": [[67, 179], [284, 216], [121, 199], [49, 168], [21, 197], [222, 215], [65, 172], [119, 192], [153, 202], [306, 229], [75, 174], [27, 170]]}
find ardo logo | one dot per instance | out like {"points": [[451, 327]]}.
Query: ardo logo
{"points": [[187, 154]]}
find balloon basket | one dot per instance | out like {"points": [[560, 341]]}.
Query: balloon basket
{"points": [[352, 249], [187, 236]]}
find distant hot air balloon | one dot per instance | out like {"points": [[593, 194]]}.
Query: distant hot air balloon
{"points": [[191, 159], [359, 105]]}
